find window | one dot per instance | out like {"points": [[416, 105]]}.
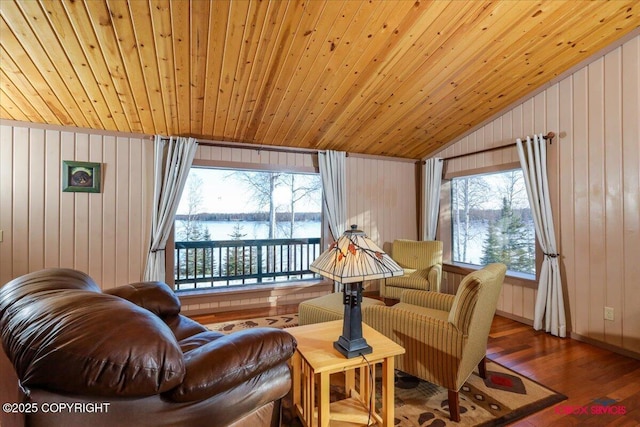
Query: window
{"points": [[238, 227], [492, 222]]}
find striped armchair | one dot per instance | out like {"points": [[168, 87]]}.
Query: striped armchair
{"points": [[422, 264], [444, 336]]}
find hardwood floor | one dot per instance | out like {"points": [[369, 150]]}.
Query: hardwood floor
{"points": [[593, 379], [589, 376]]}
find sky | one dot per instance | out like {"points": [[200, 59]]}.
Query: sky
{"points": [[223, 192]]}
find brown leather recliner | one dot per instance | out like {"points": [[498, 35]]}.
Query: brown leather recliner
{"points": [[127, 357]]}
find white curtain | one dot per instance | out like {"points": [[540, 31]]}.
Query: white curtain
{"points": [[550, 301], [333, 173], [172, 161], [431, 195]]}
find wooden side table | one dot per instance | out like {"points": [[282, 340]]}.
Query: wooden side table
{"points": [[315, 360]]}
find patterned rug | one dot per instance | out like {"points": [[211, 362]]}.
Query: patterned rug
{"points": [[280, 321], [504, 397]]}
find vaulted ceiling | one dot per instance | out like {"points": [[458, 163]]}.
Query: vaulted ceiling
{"points": [[396, 78]]}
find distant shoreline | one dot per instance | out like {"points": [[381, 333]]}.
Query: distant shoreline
{"points": [[255, 216]]}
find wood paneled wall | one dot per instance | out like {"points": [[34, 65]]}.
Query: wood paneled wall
{"points": [[103, 234], [106, 234], [594, 178], [232, 157], [381, 195]]}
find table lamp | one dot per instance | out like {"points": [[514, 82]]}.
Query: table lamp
{"points": [[351, 260]]}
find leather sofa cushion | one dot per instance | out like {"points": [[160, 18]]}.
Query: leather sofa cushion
{"points": [[183, 327], [198, 340], [228, 360], [84, 342], [157, 297]]}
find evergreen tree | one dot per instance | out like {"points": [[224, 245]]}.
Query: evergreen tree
{"points": [[241, 260], [197, 262], [203, 257], [508, 241], [491, 247]]}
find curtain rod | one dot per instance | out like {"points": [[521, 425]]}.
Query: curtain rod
{"points": [[257, 147], [549, 136], [280, 149], [263, 148], [249, 146]]}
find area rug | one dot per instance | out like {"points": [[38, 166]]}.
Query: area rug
{"points": [[504, 397], [280, 321]]}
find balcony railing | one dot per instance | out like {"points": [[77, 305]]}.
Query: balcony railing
{"points": [[225, 263]]}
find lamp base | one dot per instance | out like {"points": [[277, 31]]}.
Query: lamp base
{"points": [[352, 348], [351, 343]]}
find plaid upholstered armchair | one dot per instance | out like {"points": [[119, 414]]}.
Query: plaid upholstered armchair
{"points": [[444, 336], [422, 264]]}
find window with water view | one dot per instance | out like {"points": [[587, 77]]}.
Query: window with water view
{"points": [[239, 227], [492, 222]]}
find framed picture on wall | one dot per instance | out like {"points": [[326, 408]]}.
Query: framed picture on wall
{"points": [[83, 177]]}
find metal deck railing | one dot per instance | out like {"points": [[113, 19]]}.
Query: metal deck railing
{"points": [[225, 263]]}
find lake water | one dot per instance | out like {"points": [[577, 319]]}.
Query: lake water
{"points": [[223, 230]]}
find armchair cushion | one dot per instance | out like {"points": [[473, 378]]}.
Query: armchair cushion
{"points": [[417, 255]]}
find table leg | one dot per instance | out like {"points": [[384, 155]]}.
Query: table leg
{"points": [[349, 382], [323, 399], [310, 394], [295, 365], [372, 391], [387, 392]]}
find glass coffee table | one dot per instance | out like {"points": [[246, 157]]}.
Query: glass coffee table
{"points": [[315, 360]]}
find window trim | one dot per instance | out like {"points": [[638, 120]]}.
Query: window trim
{"points": [[231, 165], [515, 278], [445, 228]]}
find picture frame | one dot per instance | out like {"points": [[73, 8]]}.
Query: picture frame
{"points": [[81, 177]]}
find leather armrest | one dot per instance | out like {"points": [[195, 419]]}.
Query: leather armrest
{"points": [[231, 360]]}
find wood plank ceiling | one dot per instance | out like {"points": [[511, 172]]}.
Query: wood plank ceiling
{"points": [[395, 78]]}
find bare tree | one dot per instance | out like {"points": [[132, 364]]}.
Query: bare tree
{"points": [[191, 227], [513, 188], [262, 186], [302, 187], [468, 193]]}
